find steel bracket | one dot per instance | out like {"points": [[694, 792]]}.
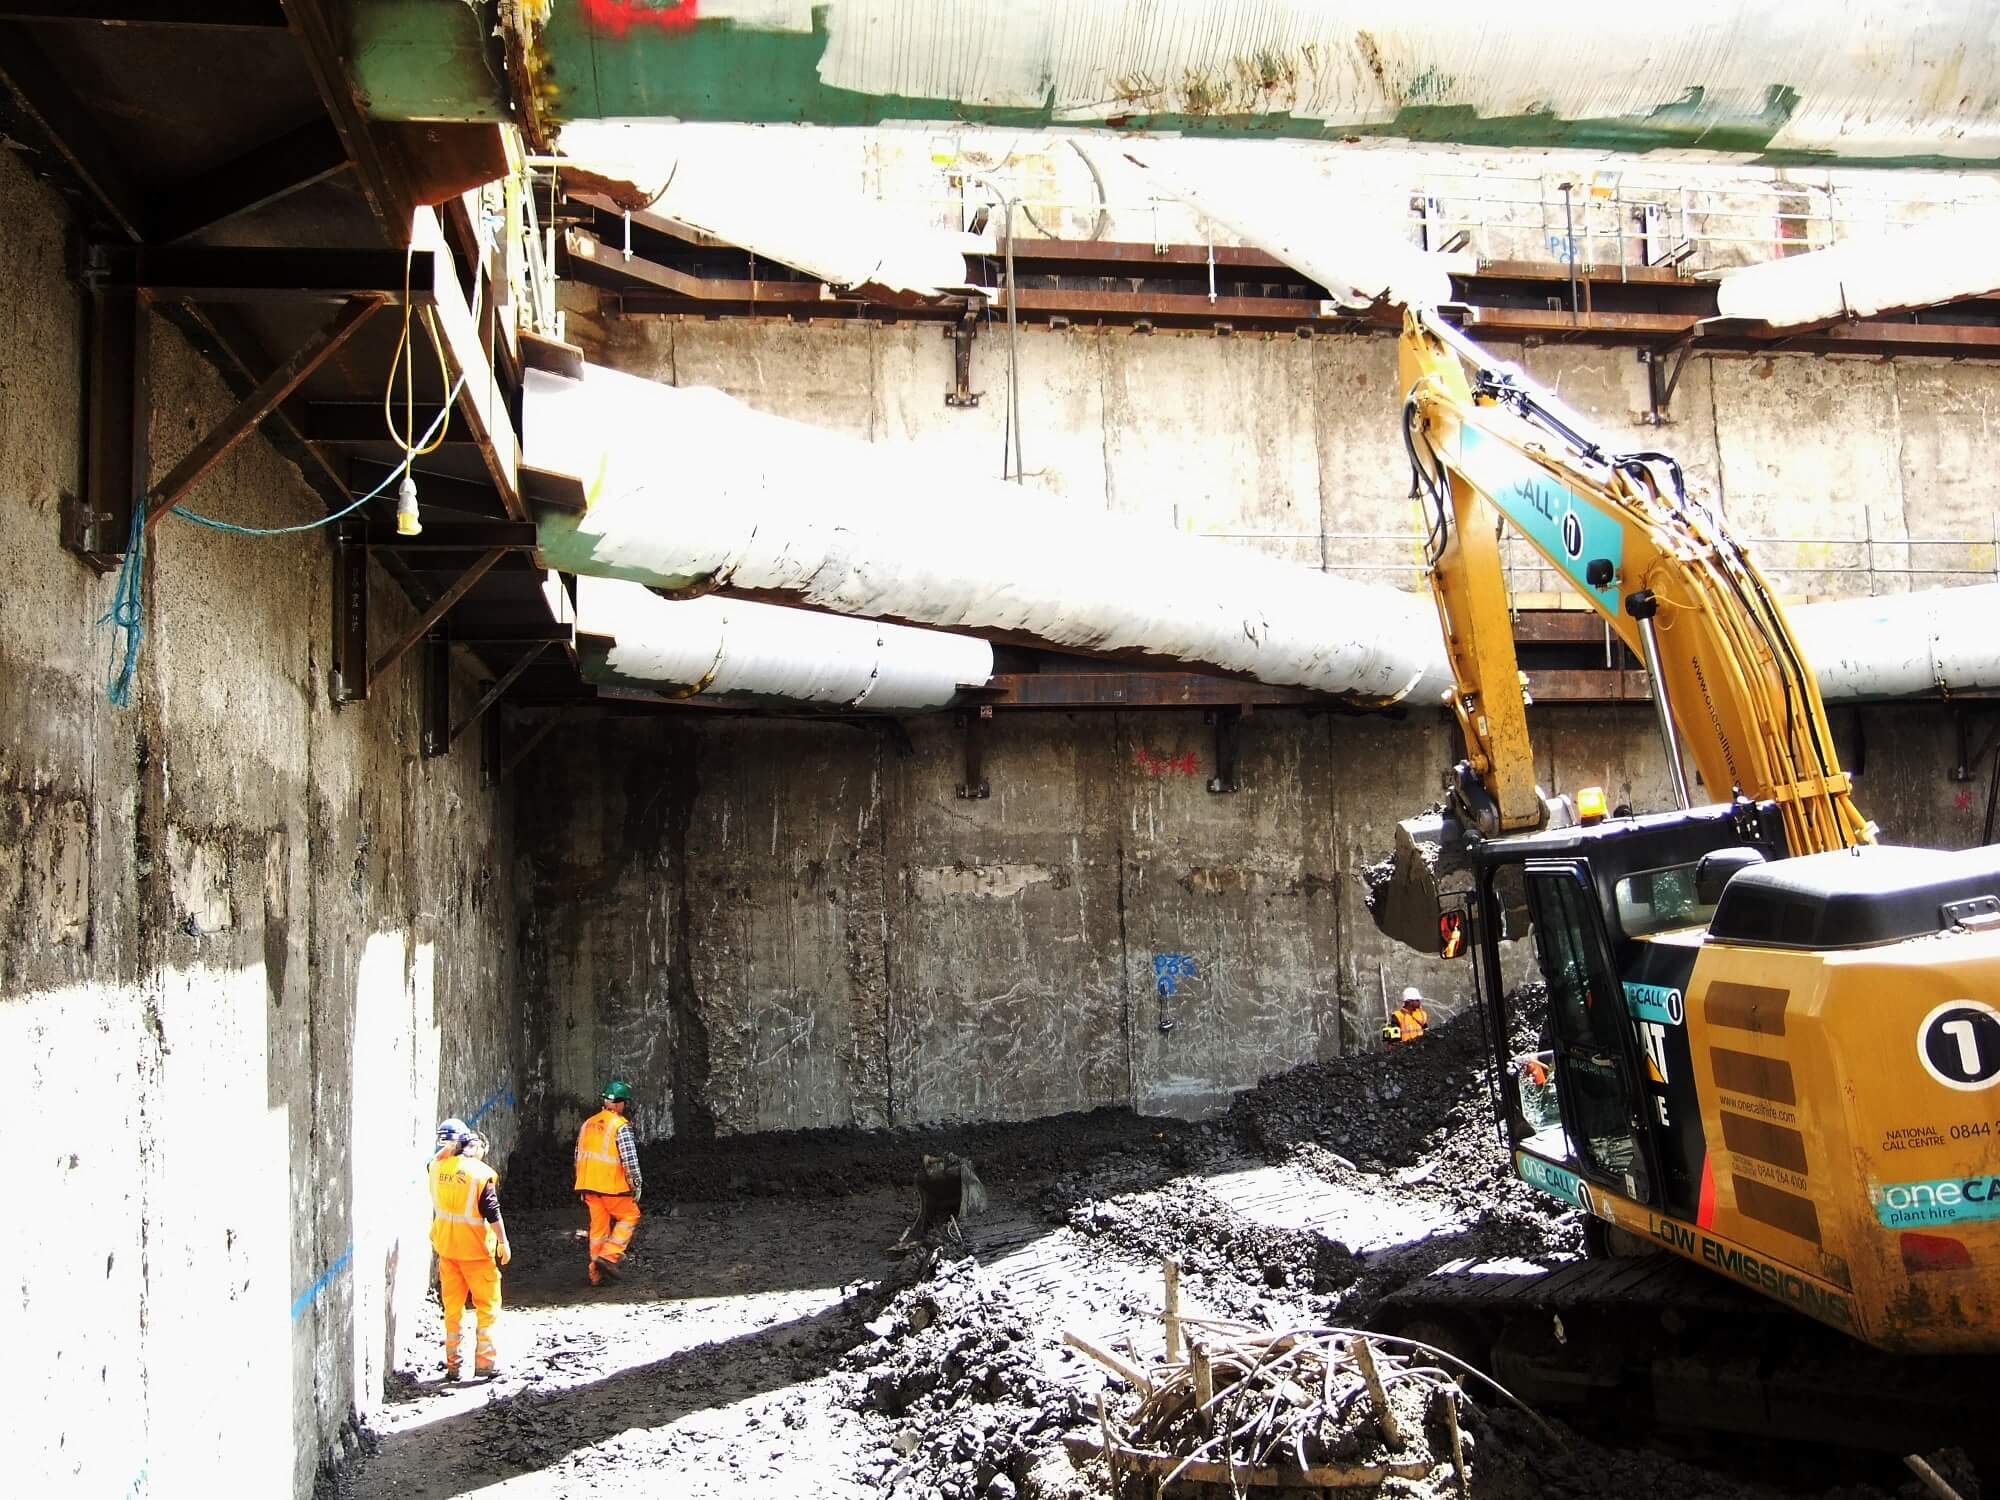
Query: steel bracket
{"points": [[98, 523], [491, 696], [1228, 726], [1661, 383], [437, 691], [972, 724], [348, 681], [961, 335]]}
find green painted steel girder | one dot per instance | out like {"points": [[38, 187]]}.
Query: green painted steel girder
{"points": [[1839, 83]]}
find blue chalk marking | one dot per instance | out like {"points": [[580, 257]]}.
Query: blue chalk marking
{"points": [[304, 1299], [503, 1095], [498, 1097]]}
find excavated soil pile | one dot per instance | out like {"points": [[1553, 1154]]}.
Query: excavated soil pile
{"points": [[955, 1365], [817, 1164]]}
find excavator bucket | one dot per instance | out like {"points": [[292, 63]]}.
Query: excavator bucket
{"points": [[1406, 889]]}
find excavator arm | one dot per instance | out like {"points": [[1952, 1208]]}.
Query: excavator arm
{"points": [[1488, 448], [1661, 569]]}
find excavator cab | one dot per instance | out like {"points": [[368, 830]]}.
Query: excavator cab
{"points": [[1602, 1091]]}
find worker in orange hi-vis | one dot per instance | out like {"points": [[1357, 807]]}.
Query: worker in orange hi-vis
{"points": [[1411, 1018], [469, 1236], [607, 1178]]}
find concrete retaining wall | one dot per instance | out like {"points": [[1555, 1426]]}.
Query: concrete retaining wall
{"points": [[775, 926], [251, 947]]}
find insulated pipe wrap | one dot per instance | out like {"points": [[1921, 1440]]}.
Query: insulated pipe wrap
{"points": [[738, 648], [689, 484], [1903, 645]]}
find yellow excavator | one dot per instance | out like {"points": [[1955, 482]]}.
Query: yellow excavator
{"points": [[1772, 1044]]}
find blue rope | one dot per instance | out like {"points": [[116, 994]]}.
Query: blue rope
{"points": [[390, 478], [128, 604], [128, 610]]}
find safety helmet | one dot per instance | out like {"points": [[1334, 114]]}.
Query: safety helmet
{"points": [[1411, 992], [617, 1089], [454, 1132]]}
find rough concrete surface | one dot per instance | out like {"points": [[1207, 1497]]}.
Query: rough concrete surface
{"points": [[803, 926], [252, 947], [1845, 474]]}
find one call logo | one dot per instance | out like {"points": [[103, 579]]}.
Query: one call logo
{"points": [[1572, 529], [1959, 1045]]}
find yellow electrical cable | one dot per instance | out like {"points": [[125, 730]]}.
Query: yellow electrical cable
{"points": [[405, 355]]}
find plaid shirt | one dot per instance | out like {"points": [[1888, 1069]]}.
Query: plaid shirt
{"points": [[628, 1154]]}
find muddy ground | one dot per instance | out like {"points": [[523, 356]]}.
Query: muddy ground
{"points": [[763, 1343]]}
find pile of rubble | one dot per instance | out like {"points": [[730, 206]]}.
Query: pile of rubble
{"points": [[953, 1370]]}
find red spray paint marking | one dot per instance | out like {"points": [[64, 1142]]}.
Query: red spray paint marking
{"points": [[619, 16], [1184, 764]]}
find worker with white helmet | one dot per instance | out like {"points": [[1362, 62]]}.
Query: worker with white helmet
{"points": [[469, 1236], [1410, 1017]]}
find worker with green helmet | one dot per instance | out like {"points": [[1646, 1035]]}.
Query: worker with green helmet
{"points": [[607, 1179]]}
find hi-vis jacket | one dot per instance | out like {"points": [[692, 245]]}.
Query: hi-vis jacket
{"points": [[457, 1230], [599, 1168]]}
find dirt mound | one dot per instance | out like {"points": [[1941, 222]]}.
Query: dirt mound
{"points": [[836, 1163], [1232, 1264], [954, 1369], [1392, 1108]]}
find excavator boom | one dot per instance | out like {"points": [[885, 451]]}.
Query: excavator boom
{"points": [[1749, 1009], [1734, 695]]}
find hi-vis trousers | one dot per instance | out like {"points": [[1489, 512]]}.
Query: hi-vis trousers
{"points": [[479, 1279], [613, 1217]]}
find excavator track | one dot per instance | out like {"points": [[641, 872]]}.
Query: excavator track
{"points": [[1653, 1344]]}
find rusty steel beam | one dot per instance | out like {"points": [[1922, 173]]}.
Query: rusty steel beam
{"points": [[348, 681], [257, 405], [457, 536], [435, 657], [482, 404], [526, 746], [379, 171], [589, 250], [486, 629], [493, 694], [439, 607], [276, 169], [1067, 690], [1558, 626], [116, 409], [258, 275], [1552, 320], [445, 490], [1589, 685], [1124, 257], [361, 422], [1551, 270], [72, 132]]}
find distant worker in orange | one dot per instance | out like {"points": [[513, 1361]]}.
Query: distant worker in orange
{"points": [[607, 1177], [469, 1235], [1410, 1018]]}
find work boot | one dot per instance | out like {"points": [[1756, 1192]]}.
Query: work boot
{"points": [[450, 1372], [486, 1372], [596, 1277], [607, 1271]]}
